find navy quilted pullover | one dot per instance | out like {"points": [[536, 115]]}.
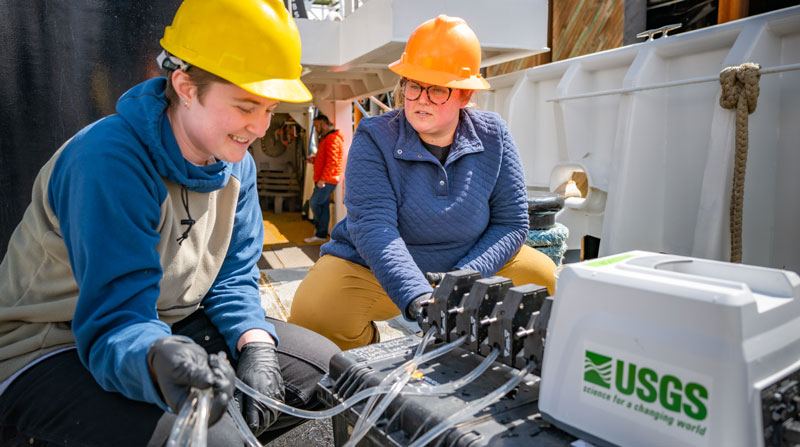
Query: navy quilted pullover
{"points": [[407, 214]]}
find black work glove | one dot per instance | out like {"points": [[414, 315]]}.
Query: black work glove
{"points": [[177, 364], [414, 308], [258, 367], [434, 277]]}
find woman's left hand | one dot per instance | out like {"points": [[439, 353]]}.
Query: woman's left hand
{"points": [[414, 308], [258, 367]]}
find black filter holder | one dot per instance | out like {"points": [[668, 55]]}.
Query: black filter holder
{"points": [[542, 209], [446, 296], [513, 421], [476, 306], [533, 337], [510, 316]]}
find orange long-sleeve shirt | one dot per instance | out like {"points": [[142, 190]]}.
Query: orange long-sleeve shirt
{"points": [[328, 161]]}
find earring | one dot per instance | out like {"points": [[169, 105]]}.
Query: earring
{"points": [[185, 102]]}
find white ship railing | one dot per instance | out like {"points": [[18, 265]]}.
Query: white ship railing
{"points": [[643, 122], [715, 78]]}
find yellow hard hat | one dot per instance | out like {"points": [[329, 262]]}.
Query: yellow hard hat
{"points": [[252, 43], [443, 51]]}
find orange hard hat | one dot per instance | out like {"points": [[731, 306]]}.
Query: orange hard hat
{"points": [[443, 51]]}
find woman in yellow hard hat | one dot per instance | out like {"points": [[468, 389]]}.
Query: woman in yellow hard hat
{"points": [[132, 278], [430, 188]]}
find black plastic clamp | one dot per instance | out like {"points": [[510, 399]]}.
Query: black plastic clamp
{"points": [[446, 296], [477, 305], [534, 335], [511, 316]]}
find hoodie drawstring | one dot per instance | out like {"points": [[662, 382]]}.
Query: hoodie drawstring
{"points": [[189, 221]]}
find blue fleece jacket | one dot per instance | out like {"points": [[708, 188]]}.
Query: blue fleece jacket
{"points": [[407, 214], [107, 189]]}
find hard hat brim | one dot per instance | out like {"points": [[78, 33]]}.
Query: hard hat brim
{"points": [[254, 44], [435, 77], [287, 90]]}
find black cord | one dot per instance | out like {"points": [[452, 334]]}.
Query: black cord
{"points": [[189, 221]]}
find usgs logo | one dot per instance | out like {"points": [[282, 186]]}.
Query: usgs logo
{"points": [[648, 385]]}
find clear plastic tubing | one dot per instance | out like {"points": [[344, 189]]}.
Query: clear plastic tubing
{"points": [[252, 441], [200, 430], [191, 424], [179, 427], [397, 379], [363, 394], [370, 415], [472, 408], [447, 388]]}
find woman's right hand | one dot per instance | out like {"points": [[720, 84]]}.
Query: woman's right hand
{"points": [[178, 364]]}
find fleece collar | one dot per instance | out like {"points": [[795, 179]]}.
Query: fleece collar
{"points": [[409, 146]]}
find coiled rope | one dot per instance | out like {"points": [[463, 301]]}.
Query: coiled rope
{"points": [[739, 90]]}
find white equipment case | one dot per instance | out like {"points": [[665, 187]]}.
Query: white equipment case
{"points": [[653, 349]]}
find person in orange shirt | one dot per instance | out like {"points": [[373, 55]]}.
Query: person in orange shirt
{"points": [[432, 187], [327, 172]]}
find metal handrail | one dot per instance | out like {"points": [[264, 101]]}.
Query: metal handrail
{"points": [[329, 9], [622, 91]]}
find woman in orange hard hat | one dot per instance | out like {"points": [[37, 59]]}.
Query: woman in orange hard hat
{"points": [[430, 188], [132, 279]]}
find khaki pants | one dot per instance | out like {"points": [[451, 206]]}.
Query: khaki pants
{"points": [[340, 299]]}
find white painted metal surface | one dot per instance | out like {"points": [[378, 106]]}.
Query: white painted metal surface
{"points": [[659, 162], [347, 59]]}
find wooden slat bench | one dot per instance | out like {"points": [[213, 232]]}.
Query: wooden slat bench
{"points": [[278, 185]]}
